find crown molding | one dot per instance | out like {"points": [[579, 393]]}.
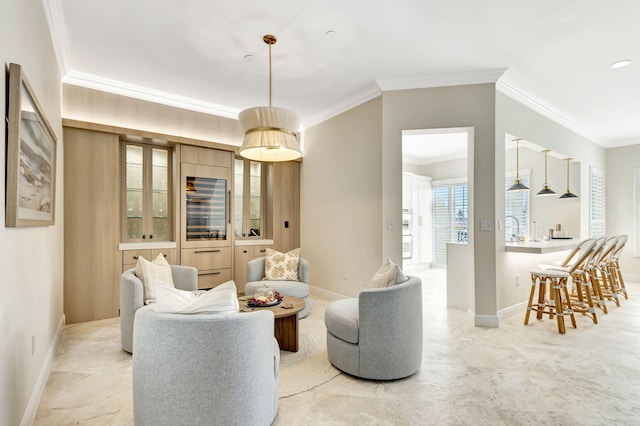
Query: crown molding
{"points": [[441, 80], [58, 30], [545, 109], [91, 81], [371, 92]]}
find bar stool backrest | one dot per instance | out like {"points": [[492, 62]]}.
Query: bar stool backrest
{"points": [[622, 240], [585, 249], [607, 250], [575, 254], [591, 261]]}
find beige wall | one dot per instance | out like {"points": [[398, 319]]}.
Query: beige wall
{"points": [[340, 199], [444, 107], [619, 203], [31, 259], [450, 169]]}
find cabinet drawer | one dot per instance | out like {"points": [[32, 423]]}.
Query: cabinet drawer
{"points": [[207, 258], [128, 266], [131, 256], [211, 279], [169, 254], [260, 251]]}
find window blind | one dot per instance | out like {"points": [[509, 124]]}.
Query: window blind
{"points": [[450, 218]]}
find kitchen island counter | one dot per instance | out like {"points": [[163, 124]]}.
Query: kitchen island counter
{"points": [[542, 247]]}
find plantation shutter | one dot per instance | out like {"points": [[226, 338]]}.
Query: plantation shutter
{"points": [[441, 223], [516, 204], [596, 204]]}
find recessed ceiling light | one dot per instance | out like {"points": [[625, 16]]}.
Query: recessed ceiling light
{"points": [[330, 33], [249, 58], [620, 64]]}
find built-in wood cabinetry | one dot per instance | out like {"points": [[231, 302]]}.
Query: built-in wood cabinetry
{"points": [[95, 252], [283, 203], [92, 261], [205, 206]]}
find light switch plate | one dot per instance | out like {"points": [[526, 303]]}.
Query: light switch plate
{"points": [[486, 225]]}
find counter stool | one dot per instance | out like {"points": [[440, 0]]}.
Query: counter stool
{"points": [[554, 305], [603, 275], [614, 265]]}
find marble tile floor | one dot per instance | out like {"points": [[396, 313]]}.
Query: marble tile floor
{"points": [[512, 375]]}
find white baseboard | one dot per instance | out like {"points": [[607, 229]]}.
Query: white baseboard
{"points": [[490, 321], [32, 407], [518, 308], [326, 293]]}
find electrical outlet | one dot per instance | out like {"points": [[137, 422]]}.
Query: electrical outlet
{"points": [[33, 344], [517, 280]]}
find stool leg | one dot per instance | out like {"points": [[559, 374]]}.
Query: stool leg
{"points": [[569, 309], [529, 305], [557, 301]]}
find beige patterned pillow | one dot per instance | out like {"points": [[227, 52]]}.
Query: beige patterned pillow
{"points": [[281, 266]]}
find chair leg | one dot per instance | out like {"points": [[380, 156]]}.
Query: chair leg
{"points": [[557, 299]]}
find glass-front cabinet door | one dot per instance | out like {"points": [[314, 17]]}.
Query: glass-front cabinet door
{"points": [[248, 199], [146, 193], [205, 206]]}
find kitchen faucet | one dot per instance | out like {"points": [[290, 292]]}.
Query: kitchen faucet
{"points": [[514, 238]]}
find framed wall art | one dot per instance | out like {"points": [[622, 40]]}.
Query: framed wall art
{"points": [[31, 157]]}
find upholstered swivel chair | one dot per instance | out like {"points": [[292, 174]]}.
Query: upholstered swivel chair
{"points": [[204, 369], [300, 288], [377, 335], [132, 297]]}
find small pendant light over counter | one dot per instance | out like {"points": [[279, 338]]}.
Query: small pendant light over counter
{"points": [[568, 194], [517, 186], [545, 188], [270, 133]]}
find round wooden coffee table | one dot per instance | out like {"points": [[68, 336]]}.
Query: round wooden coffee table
{"points": [[286, 320]]}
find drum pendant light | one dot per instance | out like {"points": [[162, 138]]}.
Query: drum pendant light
{"points": [[545, 188], [270, 133], [517, 186], [568, 194]]}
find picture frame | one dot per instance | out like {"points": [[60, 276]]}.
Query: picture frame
{"points": [[30, 157]]}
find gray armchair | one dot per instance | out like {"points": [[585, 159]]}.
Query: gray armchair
{"points": [[300, 288], [379, 334], [204, 369], [132, 297]]}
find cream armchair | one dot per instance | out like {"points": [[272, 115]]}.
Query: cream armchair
{"points": [[132, 297]]}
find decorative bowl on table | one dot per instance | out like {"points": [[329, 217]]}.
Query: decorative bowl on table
{"points": [[264, 296]]}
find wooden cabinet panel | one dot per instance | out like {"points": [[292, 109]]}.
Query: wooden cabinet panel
{"points": [[92, 261], [210, 279], [243, 254], [206, 156], [259, 251], [284, 182], [207, 258]]}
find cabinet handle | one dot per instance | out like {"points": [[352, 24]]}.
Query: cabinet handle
{"points": [[144, 237], [263, 250], [211, 273], [208, 251], [135, 257], [150, 237], [229, 206], [244, 251], [164, 255]]}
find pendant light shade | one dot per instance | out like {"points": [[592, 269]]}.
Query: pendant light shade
{"points": [[545, 188], [517, 186], [568, 194], [270, 133]]}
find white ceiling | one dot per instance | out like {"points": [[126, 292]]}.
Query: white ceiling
{"points": [[420, 147], [556, 54]]}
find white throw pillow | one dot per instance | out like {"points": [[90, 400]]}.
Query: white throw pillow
{"points": [[386, 275], [151, 272], [282, 266], [400, 276], [223, 298]]}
